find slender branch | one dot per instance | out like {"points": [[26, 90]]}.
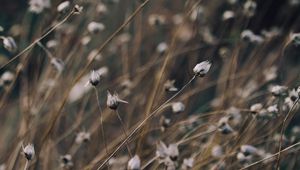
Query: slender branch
{"points": [[124, 131]]}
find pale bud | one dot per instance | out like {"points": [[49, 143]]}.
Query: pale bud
{"points": [[134, 163], [29, 152], [62, 7], [94, 78], [113, 101], [202, 68], [9, 44], [95, 27]]}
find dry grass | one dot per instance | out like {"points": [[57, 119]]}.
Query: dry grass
{"points": [[241, 114]]}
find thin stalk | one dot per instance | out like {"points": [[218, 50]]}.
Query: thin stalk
{"points": [[124, 131], [26, 165], [269, 157], [101, 122]]}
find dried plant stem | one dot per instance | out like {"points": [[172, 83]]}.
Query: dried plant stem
{"points": [[49, 54], [149, 162], [101, 121], [26, 165], [124, 131], [282, 132], [269, 157], [141, 124], [38, 40]]}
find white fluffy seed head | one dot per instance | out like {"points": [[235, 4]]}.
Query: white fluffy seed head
{"points": [[202, 68]]}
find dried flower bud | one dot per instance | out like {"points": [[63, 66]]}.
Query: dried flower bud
{"points": [[169, 86], [134, 163], [101, 8], [256, 108], [244, 159], [77, 9], [66, 161], [248, 35], [228, 15], [6, 78], [188, 163], [58, 63], [64, 6], [95, 27], [273, 109], [270, 73], [52, 44], [29, 152], [173, 152], [202, 68], [225, 128], [82, 137], [162, 48], [217, 151], [9, 44], [249, 8], [178, 107], [161, 150], [278, 90], [94, 78], [37, 6], [156, 20], [113, 101], [164, 122], [248, 150]]}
